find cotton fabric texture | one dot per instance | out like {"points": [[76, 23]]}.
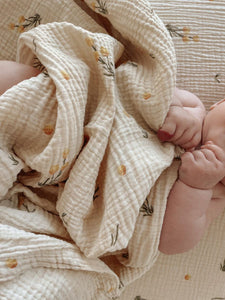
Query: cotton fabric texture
{"points": [[84, 179]]}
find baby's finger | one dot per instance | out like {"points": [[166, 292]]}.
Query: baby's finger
{"points": [[209, 155], [193, 141], [219, 152], [178, 135], [198, 155], [166, 132], [187, 158]]}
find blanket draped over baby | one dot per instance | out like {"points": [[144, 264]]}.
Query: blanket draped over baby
{"points": [[84, 179]]}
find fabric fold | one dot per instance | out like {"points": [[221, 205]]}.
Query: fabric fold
{"points": [[89, 191]]}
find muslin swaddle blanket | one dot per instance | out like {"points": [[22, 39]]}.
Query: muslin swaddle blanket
{"points": [[84, 179]]}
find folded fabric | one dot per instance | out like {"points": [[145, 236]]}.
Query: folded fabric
{"points": [[84, 179]]}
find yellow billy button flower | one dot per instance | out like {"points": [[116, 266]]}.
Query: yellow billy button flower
{"points": [[65, 153], [122, 170], [48, 129], [186, 29], [89, 41], [185, 38], [104, 51], [65, 75], [11, 263], [21, 19], [196, 38], [93, 5], [187, 277], [146, 96], [64, 166], [11, 26], [53, 169], [96, 54], [21, 29]]}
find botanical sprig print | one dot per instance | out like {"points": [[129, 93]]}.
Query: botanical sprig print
{"points": [[144, 134], [24, 23], [182, 33], [38, 65], [102, 56], [63, 215], [147, 209], [14, 161], [96, 193], [100, 6], [121, 284], [217, 78], [114, 238], [222, 266], [56, 171]]}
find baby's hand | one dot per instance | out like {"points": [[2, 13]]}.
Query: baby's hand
{"points": [[183, 123], [203, 168], [181, 127]]}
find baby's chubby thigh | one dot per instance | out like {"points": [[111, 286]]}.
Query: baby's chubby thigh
{"points": [[11, 73]]}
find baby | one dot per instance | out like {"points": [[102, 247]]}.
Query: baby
{"points": [[198, 195]]}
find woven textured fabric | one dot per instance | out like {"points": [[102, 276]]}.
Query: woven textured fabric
{"points": [[84, 179], [197, 30]]}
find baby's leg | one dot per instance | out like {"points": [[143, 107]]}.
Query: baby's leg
{"points": [[11, 73], [185, 219]]}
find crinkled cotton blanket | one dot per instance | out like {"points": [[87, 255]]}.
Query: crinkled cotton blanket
{"points": [[84, 179]]}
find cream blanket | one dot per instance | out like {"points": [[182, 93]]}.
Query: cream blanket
{"points": [[82, 199]]}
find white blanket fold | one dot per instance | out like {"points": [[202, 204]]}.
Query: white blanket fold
{"points": [[83, 174]]}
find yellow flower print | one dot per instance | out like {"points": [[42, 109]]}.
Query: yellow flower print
{"points": [[93, 5], [53, 169], [122, 170], [196, 38], [186, 29], [48, 129], [11, 26], [64, 166], [146, 96], [104, 51], [65, 153], [21, 19], [102, 57], [56, 170], [90, 41], [187, 277], [183, 33], [96, 54], [24, 23], [21, 29], [185, 38], [11, 263], [65, 75]]}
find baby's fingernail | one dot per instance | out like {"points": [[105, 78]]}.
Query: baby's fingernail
{"points": [[164, 136]]}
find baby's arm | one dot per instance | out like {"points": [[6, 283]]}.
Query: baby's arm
{"points": [[12, 73], [192, 204], [183, 124]]}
